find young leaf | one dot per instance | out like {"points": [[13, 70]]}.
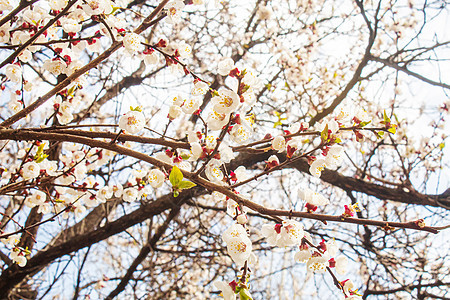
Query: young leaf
{"points": [[244, 294], [184, 185], [324, 133], [392, 130], [386, 118], [175, 176]]}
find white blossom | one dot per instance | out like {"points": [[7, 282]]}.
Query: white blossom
{"points": [[174, 112], [14, 73], [216, 121], [225, 66], [334, 156], [226, 102], [133, 42], [317, 167], [30, 170], [317, 264], [312, 197], [200, 88], [279, 143], [239, 245], [156, 178], [132, 122], [226, 290], [302, 256], [130, 194], [191, 105], [341, 265]]}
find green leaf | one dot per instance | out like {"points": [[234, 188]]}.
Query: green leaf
{"points": [[184, 185], [392, 130], [362, 124], [244, 294], [71, 90], [386, 118], [114, 10], [185, 156], [40, 149], [324, 134], [137, 108], [175, 177], [380, 134], [41, 158], [441, 145], [245, 88], [176, 193]]}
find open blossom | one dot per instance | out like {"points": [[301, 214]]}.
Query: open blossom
{"points": [[35, 199], [133, 42], [216, 120], [240, 133], [312, 197], [132, 122], [174, 9], [349, 291], [25, 56], [97, 7], [130, 194], [184, 49], [45, 208], [11, 240], [105, 193], [18, 256], [226, 290], [341, 265], [210, 142], [30, 170], [4, 32], [302, 256], [232, 207], [239, 245], [14, 73], [57, 4], [271, 233], [241, 173], [333, 126], [174, 112], [70, 25], [213, 171], [317, 167], [334, 156], [64, 117], [289, 233], [292, 146], [191, 105], [226, 102], [200, 88], [317, 263], [55, 67], [150, 58], [156, 178], [225, 66], [279, 143]]}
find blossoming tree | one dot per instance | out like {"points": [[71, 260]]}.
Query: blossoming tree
{"points": [[237, 149]]}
